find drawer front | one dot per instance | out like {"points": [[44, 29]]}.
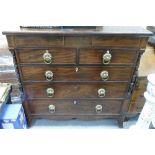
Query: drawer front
{"points": [[35, 73], [95, 56], [115, 41], [58, 56], [38, 41], [76, 41], [38, 90], [68, 107]]}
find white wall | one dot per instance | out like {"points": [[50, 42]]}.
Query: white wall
{"points": [[14, 13]]}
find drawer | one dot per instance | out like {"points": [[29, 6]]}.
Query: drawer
{"points": [[68, 107], [115, 41], [118, 56], [35, 73], [38, 41], [57, 56], [64, 90], [78, 41]]}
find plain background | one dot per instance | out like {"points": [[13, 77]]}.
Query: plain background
{"points": [[76, 12]]}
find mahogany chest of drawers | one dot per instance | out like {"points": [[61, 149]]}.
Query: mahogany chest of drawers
{"points": [[77, 74]]}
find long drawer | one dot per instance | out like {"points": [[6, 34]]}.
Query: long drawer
{"points": [[72, 107], [68, 90], [49, 73]]}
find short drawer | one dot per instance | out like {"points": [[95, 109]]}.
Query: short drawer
{"points": [[64, 90], [57, 56], [77, 41], [98, 56], [73, 107], [115, 41], [38, 41], [49, 73]]}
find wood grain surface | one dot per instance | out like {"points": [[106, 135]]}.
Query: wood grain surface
{"points": [[59, 55], [37, 73], [113, 90], [94, 56], [68, 107]]}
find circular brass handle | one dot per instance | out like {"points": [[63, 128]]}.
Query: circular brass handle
{"points": [[98, 108], [50, 92], [107, 57], [101, 92], [49, 75], [47, 57], [51, 108], [104, 75]]}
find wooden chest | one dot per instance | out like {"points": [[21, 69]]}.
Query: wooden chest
{"points": [[77, 74]]}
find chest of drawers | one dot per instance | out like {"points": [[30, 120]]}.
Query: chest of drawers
{"points": [[77, 74]]}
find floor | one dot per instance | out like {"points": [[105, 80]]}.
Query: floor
{"points": [[102, 124]]}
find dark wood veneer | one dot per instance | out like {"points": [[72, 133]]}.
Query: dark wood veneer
{"points": [[81, 107], [113, 90], [30, 41], [94, 56], [35, 73], [115, 41], [59, 56]]}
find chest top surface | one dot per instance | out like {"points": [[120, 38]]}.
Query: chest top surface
{"points": [[99, 30]]}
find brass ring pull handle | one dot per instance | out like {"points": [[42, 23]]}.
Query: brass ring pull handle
{"points": [[107, 57], [98, 108], [50, 92], [104, 75], [51, 108], [47, 57], [49, 75], [101, 92]]}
